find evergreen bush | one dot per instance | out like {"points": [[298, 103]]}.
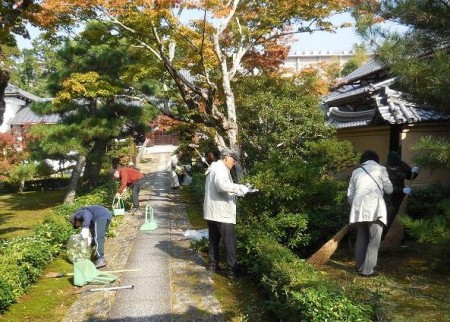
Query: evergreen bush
{"points": [[296, 291], [23, 259]]}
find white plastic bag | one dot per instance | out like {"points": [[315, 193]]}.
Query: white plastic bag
{"points": [[78, 248], [196, 234]]}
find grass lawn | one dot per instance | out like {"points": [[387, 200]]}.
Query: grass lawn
{"points": [[20, 212]]}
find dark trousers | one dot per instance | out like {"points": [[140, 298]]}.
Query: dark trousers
{"points": [[136, 189], [98, 233], [393, 203], [216, 231]]}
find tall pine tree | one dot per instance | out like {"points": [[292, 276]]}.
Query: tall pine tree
{"points": [[92, 99]]}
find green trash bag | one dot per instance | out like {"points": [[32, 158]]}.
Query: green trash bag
{"points": [[86, 273], [78, 248]]}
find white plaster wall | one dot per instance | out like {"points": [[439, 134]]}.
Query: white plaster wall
{"points": [[12, 107]]}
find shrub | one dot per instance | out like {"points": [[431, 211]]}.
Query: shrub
{"points": [[23, 259], [300, 189], [434, 231], [296, 291], [197, 186], [6, 295], [423, 201]]}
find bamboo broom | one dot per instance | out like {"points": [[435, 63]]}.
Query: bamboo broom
{"points": [[322, 256], [394, 235]]}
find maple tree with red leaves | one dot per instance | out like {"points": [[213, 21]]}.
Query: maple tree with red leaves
{"points": [[13, 150]]}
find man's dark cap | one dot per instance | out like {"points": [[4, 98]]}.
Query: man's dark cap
{"points": [[230, 152], [393, 159]]}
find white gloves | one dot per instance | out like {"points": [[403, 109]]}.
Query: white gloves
{"points": [[85, 232], [415, 170], [86, 235], [204, 160], [117, 195], [242, 190], [407, 191]]}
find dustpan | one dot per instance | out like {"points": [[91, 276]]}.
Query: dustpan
{"points": [[149, 224], [86, 273]]}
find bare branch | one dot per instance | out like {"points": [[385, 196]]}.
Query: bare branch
{"points": [[240, 53]]}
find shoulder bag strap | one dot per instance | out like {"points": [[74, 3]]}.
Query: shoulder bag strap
{"points": [[372, 178]]}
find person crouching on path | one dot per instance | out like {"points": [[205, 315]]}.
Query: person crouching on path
{"points": [[219, 209], [175, 170], [130, 177], [368, 210], [94, 220]]}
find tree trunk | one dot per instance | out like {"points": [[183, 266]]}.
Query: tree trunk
{"points": [[4, 78], [141, 151], [94, 162], [22, 185], [73, 184]]}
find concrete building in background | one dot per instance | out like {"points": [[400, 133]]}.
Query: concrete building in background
{"points": [[304, 59]]}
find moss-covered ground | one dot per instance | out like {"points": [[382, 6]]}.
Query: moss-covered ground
{"points": [[48, 300], [409, 289], [20, 212]]}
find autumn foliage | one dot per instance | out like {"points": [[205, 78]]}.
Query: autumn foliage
{"points": [[14, 150]]}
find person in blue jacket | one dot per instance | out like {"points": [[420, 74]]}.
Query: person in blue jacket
{"points": [[94, 221]]}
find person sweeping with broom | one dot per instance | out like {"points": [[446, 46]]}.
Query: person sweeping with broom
{"points": [[398, 172], [368, 213]]}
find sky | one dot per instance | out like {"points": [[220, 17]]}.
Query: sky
{"points": [[342, 40]]}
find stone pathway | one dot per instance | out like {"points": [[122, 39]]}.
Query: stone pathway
{"points": [[171, 283]]}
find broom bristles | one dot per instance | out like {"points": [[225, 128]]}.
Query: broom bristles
{"points": [[322, 256]]}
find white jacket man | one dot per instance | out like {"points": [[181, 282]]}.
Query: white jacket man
{"points": [[220, 194], [365, 193], [219, 209]]}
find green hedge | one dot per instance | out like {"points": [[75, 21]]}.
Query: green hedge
{"points": [[23, 259], [296, 291]]}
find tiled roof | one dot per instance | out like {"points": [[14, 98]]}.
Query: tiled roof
{"points": [[14, 91], [343, 125], [340, 118], [369, 68], [390, 105], [349, 91], [344, 92], [395, 109], [26, 116], [362, 104]]}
